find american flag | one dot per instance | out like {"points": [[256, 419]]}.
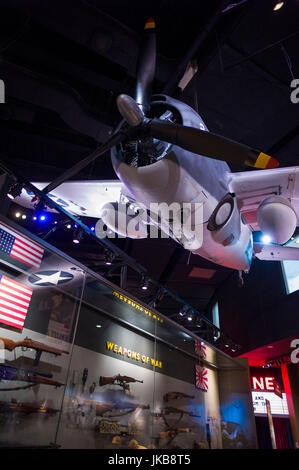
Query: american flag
{"points": [[14, 302], [20, 247], [200, 348], [201, 378]]}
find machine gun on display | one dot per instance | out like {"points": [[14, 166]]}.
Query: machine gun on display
{"points": [[175, 396], [25, 375], [27, 343], [178, 415], [127, 407], [122, 380]]}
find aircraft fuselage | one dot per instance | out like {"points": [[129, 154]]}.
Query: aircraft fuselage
{"points": [[184, 177]]}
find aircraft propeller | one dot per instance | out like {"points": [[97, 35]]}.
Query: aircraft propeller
{"points": [[137, 124]]}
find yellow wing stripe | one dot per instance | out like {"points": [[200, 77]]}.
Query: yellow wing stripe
{"points": [[150, 24], [262, 160]]}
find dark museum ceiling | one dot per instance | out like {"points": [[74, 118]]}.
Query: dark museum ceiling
{"points": [[84, 52]]}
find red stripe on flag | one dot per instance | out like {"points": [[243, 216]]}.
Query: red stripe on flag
{"points": [[23, 250], [12, 316], [18, 285], [31, 246], [14, 303], [6, 289], [25, 262], [15, 325]]}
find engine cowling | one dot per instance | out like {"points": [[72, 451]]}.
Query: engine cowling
{"points": [[123, 219], [277, 218], [224, 222]]}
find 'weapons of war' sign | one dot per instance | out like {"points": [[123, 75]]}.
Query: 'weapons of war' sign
{"points": [[134, 355]]}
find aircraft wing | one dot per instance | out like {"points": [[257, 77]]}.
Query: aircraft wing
{"points": [[251, 187], [275, 252], [80, 198]]}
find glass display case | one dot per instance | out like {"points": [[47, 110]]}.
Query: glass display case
{"points": [[86, 365]]}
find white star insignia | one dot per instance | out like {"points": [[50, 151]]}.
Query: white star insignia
{"points": [[51, 278]]}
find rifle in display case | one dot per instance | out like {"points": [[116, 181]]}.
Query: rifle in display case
{"points": [[26, 408], [127, 407], [171, 410], [175, 396], [122, 380], [27, 343], [25, 375], [173, 432]]}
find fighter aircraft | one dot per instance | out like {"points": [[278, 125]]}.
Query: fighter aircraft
{"points": [[162, 151]]}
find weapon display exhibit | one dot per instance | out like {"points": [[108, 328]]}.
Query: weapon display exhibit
{"points": [[99, 345], [116, 387]]}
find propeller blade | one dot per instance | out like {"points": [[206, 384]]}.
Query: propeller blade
{"points": [[146, 66], [111, 142], [209, 145]]}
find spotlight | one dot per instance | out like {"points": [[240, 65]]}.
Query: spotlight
{"points": [[77, 236], [109, 257], [199, 323], [24, 216], [190, 317], [144, 283], [34, 218], [183, 311], [266, 239], [40, 208], [68, 226], [278, 6], [15, 191], [18, 214], [92, 229], [215, 334]]}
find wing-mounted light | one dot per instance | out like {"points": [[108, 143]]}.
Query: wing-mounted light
{"points": [[277, 219]]}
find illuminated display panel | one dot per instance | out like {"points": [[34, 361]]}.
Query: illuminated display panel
{"points": [[279, 406], [291, 270]]}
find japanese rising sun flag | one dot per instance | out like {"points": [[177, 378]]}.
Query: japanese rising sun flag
{"points": [[200, 348], [201, 378]]}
